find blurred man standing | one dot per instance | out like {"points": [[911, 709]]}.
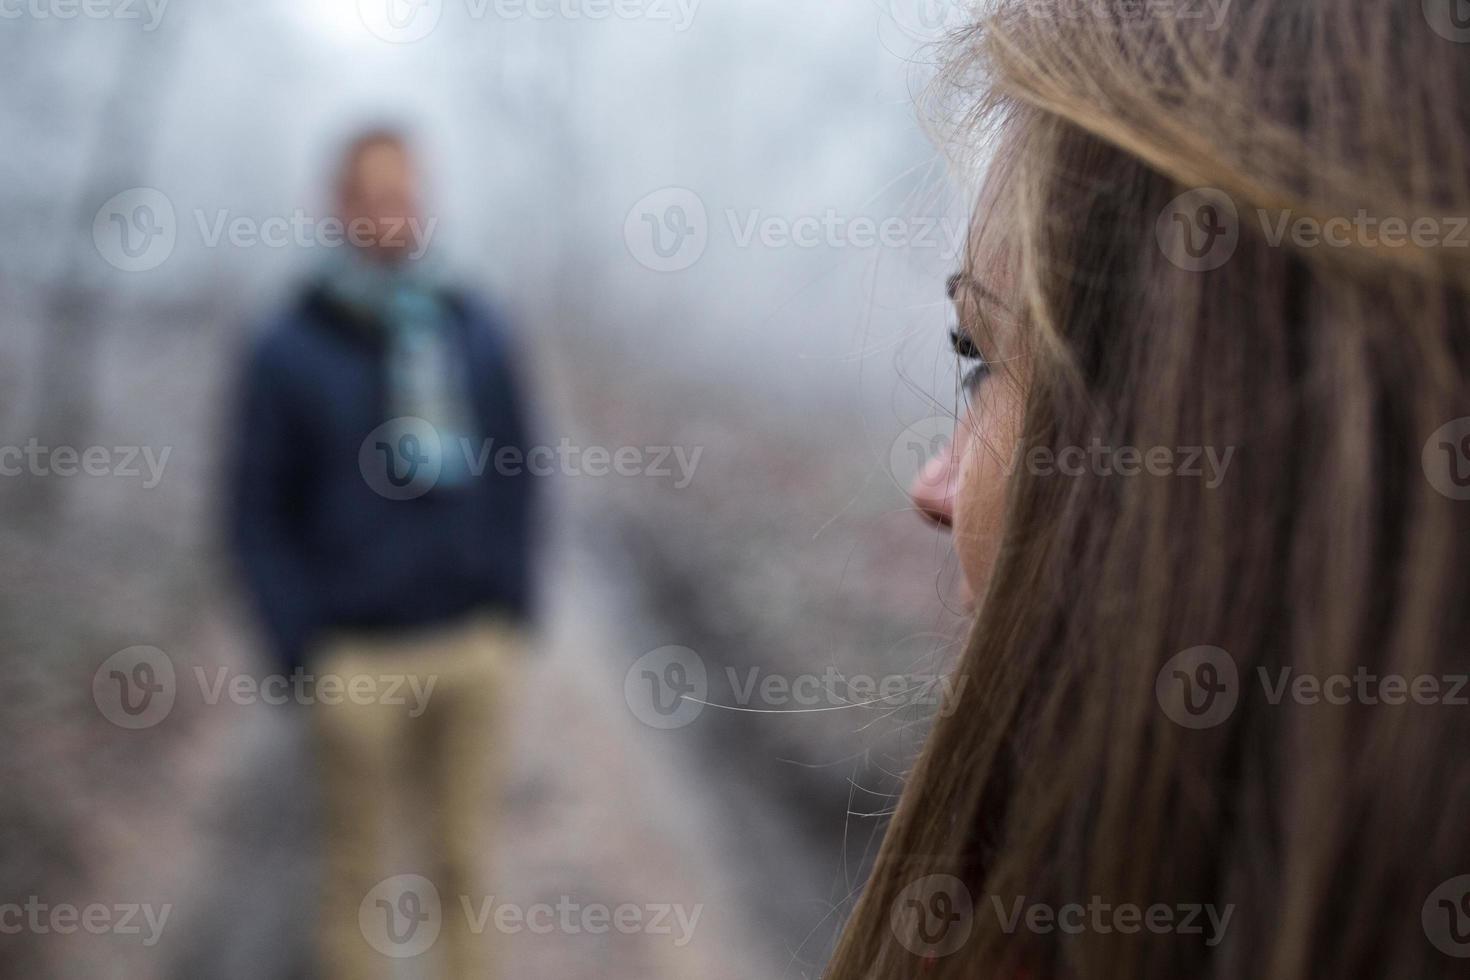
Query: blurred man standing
{"points": [[387, 545]]}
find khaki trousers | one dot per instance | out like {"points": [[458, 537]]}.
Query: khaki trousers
{"points": [[408, 773]]}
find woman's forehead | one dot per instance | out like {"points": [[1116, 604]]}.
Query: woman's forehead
{"points": [[992, 251]]}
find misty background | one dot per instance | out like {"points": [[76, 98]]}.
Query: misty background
{"points": [[674, 204]]}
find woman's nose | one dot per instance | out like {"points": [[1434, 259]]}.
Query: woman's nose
{"points": [[933, 489]]}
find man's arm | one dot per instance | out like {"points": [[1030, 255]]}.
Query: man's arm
{"points": [[267, 494], [516, 496]]}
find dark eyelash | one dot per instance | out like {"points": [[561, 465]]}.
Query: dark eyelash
{"points": [[966, 349], [964, 346]]}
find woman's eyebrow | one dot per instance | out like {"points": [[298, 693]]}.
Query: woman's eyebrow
{"points": [[960, 279], [965, 330]]}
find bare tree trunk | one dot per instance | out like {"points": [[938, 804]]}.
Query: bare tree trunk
{"points": [[67, 372]]}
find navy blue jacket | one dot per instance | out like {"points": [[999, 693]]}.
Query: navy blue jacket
{"points": [[319, 548]]}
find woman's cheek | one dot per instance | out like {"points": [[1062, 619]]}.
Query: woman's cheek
{"points": [[987, 439]]}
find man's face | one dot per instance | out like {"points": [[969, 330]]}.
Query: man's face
{"points": [[379, 201]]}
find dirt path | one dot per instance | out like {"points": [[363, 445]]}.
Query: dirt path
{"points": [[595, 815], [602, 817]]}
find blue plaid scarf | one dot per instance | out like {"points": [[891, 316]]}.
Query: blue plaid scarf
{"points": [[424, 368]]}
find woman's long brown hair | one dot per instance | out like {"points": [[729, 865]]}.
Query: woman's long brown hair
{"points": [[1332, 546]]}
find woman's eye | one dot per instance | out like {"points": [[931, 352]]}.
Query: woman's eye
{"points": [[967, 351], [964, 346]]}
